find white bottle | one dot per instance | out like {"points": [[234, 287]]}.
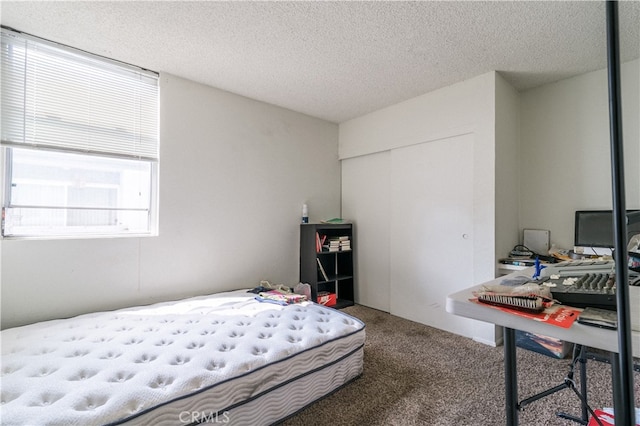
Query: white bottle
{"points": [[305, 214]]}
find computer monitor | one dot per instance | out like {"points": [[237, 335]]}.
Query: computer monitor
{"points": [[594, 228]]}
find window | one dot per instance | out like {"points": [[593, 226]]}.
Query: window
{"points": [[80, 142]]}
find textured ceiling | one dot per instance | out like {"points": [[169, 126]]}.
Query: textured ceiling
{"points": [[337, 60]]}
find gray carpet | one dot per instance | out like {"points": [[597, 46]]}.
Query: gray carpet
{"points": [[418, 375]]}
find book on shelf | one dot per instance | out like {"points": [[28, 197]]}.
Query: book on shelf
{"points": [[340, 243], [322, 271], [320, 239]]}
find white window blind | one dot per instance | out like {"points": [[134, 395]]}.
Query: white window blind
{"points": [[55, 97], [81, 141]]}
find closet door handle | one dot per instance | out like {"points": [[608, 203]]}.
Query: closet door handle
{"points": [[465, 236]]}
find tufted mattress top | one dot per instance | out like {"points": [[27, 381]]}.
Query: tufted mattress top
{"points": [[132, 365]]}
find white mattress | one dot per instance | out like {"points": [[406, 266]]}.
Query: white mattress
{"points": [[224, 358]]}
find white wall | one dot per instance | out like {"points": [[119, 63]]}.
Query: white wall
{"points": [[464, 108], [565, 154], [507, 179], [234, 174], [366, 182]]}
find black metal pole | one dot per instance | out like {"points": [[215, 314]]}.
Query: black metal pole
{"points": [[583, 383], [623, 369], [510, 376]]}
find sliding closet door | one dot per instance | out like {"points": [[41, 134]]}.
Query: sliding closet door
{"points": [[365, 200], [431, 230]]}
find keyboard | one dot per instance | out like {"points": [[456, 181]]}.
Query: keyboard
{"points": [[595, 289], [578, 267], [586, 282]]}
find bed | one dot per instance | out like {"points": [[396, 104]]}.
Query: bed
{"points": [[224, 358]]}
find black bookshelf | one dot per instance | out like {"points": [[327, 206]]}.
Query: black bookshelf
{"points": [[338, 263]]}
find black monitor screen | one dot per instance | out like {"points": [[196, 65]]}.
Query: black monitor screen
{"points": [[594, 228]]}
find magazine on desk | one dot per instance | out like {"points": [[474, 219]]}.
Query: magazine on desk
{"points": [[558, 315]]}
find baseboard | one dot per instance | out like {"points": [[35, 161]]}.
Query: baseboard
{"points": [[495, 343]]}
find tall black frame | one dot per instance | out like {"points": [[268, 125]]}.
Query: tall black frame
{"points": [[622, 364]]}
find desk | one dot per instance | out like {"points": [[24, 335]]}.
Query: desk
{"points": [[505, 269], [593, 337]]}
